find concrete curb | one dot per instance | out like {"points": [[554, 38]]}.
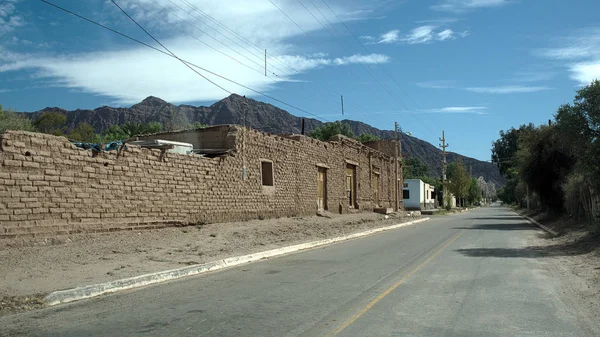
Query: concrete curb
{"points": [[79, 293], [554, 233]]}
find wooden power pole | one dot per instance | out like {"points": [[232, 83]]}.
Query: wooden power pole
{"points": [[396, 189], [443, 145]]}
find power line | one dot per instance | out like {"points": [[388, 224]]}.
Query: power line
{"points": [[368, 51], [373, 74], [365, 48], [186, 62], [167, 49], [376, 78], [229, 56], [274, 58]]}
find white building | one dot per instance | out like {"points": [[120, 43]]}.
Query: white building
{"points": [[418, 195]]}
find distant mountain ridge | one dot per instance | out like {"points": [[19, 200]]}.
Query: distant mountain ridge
{"points": [[236, 109]]}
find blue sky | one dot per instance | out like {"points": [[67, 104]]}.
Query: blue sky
{"points": [[469, 67]]}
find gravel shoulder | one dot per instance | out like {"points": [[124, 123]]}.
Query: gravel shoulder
{"points": [[573, 257], [28, 273]]}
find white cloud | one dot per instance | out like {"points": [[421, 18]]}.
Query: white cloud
{"points": [[9, 21], [134, 74], [579, 53], [418, 35], [445, 35], [508, 89], [533, 76], [585, 72], [436, 84], [475, 110], [129, 74], [390, 37], [465, 5]]}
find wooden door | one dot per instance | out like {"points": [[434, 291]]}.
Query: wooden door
{"points": [[351, 185], [376, 189], [322, 188]]}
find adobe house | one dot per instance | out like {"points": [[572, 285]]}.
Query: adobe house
{"points": [[300, 173], [50, 187]]}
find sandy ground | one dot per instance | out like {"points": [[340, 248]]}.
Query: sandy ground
{"points": [[27, 273], [574, 255]]}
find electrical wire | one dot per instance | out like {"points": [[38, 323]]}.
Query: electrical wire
{"points": [[184, 61], [279, 80], [376, 78], [323, 89]]}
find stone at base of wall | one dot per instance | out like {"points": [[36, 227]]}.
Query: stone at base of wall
{"points": [[383, 210]]}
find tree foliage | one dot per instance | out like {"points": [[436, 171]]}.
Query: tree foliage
{"points": [[367, 137], [52, 123], [474, 191], [197, 125], [328, 130], [84, 132], [10, 120], [129, 130], [460, 181], [558, 163], [414, 168]]}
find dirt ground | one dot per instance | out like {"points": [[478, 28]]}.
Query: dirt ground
{"points": [[28, 273], [575, 252]]}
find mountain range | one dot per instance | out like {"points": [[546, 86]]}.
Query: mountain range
{"points": [[236, 109]]}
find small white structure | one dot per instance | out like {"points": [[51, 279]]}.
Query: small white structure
{"points": [[170, 146], [418, 195]]}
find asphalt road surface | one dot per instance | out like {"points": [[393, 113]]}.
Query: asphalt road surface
{"points": [[464, 275]]}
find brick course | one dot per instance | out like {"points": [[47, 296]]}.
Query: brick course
{"points": [[72, 191]]}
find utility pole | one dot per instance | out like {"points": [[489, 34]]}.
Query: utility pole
{"points": [[244, 173], [342, 98], [443, 145], [396, 189], [265, 62]]}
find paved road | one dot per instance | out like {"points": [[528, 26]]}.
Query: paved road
{"points": [[463, 275]]}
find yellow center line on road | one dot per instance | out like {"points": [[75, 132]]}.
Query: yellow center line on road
{"points": [[390, 289]]}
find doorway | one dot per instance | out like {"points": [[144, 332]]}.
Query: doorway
{"points": [[376, 188], [322, 189], [351, 185]]}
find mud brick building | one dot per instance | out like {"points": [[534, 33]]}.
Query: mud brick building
{"points": [[50, 187]]}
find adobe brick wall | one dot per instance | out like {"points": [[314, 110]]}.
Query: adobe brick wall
{"points": [[49, 187]]}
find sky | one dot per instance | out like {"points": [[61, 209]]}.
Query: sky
{"points": [[469, 68]]}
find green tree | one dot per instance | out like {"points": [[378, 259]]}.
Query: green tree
{"points": [[504, 149], [328, 130], [133, 129], [10, 120], [84, 132], [543, 164], [114, 133], [367, 137], [52, 123], [414, 168], [460, 181], [129, 130], [474, 191], [197, 125]]}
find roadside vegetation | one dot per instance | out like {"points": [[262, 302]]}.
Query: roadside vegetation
{"points": [[55, 123], [556, 166], [328, 130]]}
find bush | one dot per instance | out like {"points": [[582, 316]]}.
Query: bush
{"points": [[10, 120]]}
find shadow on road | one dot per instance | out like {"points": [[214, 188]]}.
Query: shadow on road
{"points": [[583, 245], [522, 226], [499, 217]]}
